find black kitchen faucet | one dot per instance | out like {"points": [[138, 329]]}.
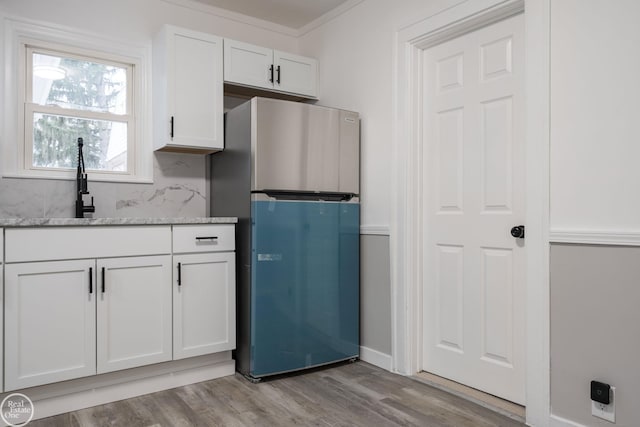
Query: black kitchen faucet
{"points": [[81, 188]]}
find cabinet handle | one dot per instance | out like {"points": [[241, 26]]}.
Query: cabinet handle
{"points": [[90, 280], [179, 274], [278, 71], [271, 73], [103, 280], [171, 127], [199, 238]]}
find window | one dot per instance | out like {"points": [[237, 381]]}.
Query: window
{"points": [[61, 85], [70, 96]]}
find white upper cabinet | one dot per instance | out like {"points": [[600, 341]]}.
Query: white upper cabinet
{"points": [[187, 91], [295, 73], [249, 65]]}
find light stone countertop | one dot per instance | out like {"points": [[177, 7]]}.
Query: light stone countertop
{"points": [[62, 222]]}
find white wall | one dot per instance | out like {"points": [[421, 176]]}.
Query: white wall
{"points": [[595, 115], [179, 187], [595, 147], [357, 59]]}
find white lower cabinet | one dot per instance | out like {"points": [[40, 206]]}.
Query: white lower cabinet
{"points": [[58, 313], [93, 313], [203, 304], [134, 312], [50, 322]]}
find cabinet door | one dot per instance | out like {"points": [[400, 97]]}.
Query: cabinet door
{"points": [[296, 74], [204, 298], [50, 322], [249, 65], [194, 88], [134, 312]]}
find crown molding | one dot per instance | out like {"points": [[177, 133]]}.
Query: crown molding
{"points": [[330, 15], [261, 23], [234, 16]]}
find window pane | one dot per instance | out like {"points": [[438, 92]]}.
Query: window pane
{"points": [[79, 84], [55, 143]]}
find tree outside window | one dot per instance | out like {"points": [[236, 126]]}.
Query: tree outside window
{"points": [[79, 97]]}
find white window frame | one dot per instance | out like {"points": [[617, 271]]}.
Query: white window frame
{"points": [[32, 108], [17, 144]]}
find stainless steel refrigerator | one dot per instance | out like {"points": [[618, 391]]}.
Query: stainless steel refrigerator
{"points": [[290, 173]]}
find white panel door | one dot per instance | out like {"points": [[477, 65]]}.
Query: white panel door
{"points": [[50, 322], [247, 64], [474, 194], [134, 312], [204, 299], [295, 74]]}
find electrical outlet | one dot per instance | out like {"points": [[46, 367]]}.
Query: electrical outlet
{"points": [[606, 412]]}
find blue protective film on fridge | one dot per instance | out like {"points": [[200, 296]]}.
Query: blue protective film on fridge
{"points": [[304, 284]]}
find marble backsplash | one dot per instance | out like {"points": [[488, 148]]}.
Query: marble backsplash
{"points": [[179, 190]]}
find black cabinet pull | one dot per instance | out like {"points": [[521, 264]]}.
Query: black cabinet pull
{"points": [[103, 280], [278, 79], [271, 73], [200, 238], [171, 127], [179, 274], [90, 280]]}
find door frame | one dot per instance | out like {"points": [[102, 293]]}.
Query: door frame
{"points": [[407, 214]]}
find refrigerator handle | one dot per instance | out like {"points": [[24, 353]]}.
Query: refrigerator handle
{"points": [[326, 196]]}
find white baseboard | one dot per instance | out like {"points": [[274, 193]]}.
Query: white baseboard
{"points": [[376, 358], [70, 396], [556, 421]]}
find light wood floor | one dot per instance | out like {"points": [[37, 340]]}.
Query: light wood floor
{"points": [[484, 399], [356, 394]]}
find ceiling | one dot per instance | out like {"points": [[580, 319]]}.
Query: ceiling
{"points": [[290, 13]]}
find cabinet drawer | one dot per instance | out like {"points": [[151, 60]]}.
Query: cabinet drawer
{"points": [[203, 238], [44, 244]]}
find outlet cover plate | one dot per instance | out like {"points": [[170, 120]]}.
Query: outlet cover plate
{"points": [[606, 412]]}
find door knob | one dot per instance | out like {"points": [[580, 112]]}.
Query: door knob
{"points": [[518, 231]]}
